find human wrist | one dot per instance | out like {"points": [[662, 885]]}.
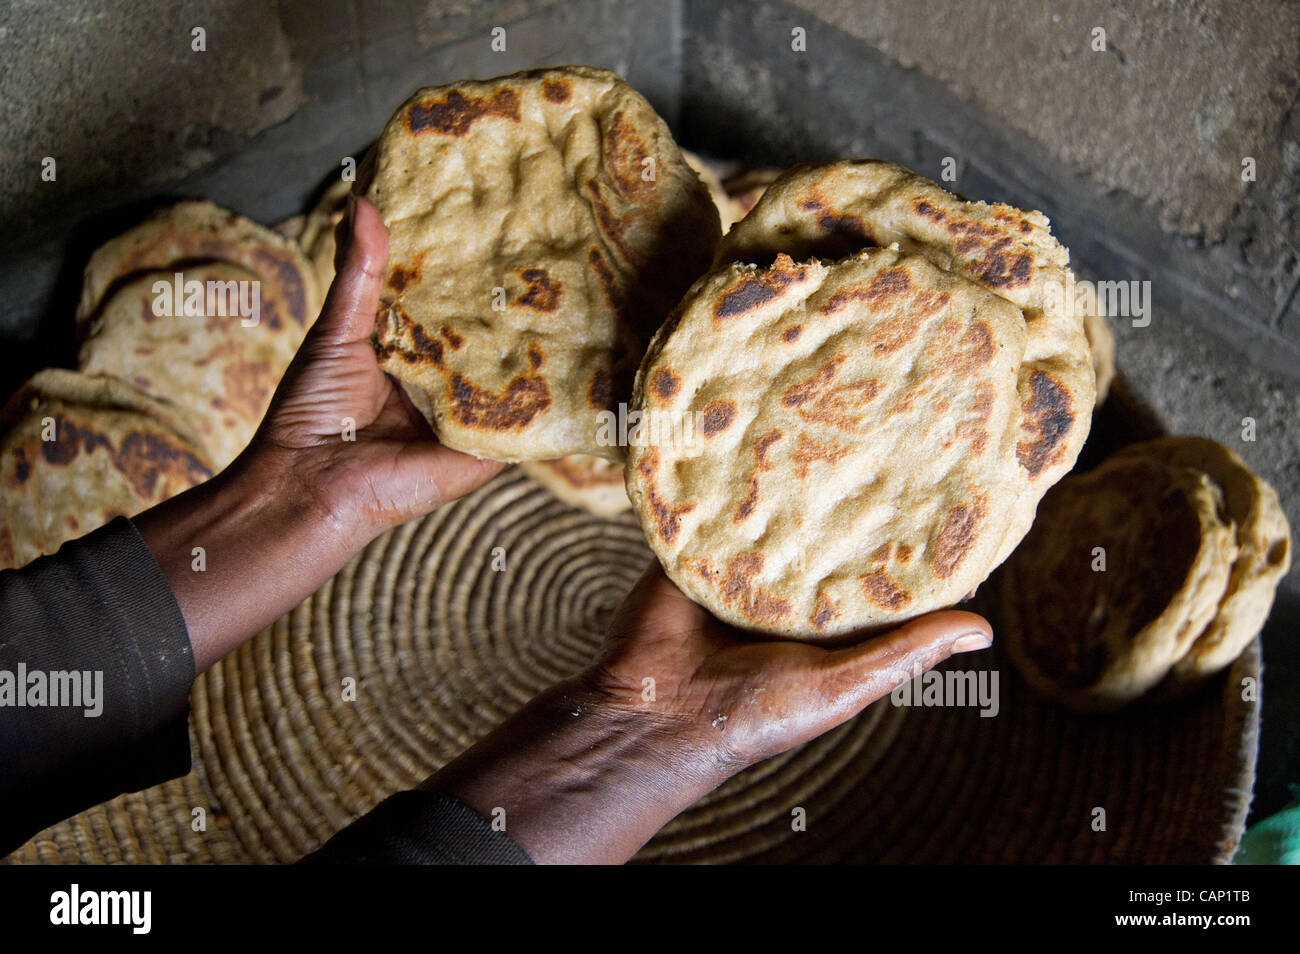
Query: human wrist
{"points": [[663, 738], [579, 778], [244, 548]]}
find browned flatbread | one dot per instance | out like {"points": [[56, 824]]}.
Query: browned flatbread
{"points": [[541, 226], [114, 451], [1263, 551], [592, 483], [1097, 638], [837, 208], [199, 232], [852, 457], [218, 368]]}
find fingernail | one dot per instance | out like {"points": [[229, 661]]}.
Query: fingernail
{"points": [[970, 642]]}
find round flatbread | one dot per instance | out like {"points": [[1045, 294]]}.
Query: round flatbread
{"points": [[828, 447], [190, 233], [212, 343], [1123, 570], [77, 451], [838, 208], [541, 226], [591, 483], [1263, 554]]}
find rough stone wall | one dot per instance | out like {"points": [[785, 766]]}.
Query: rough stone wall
{"points": [[1180, 94]]}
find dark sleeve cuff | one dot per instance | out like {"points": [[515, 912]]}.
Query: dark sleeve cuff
{"points": [[420, 828], [98, 617]]}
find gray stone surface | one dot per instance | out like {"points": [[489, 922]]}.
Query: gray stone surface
{"points": [[1218, 76], [114, 92]]}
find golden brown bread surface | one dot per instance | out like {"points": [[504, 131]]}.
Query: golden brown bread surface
{"points": [[1263, 549], [591, 483], [202, 355], [1097, 635], [197, 232], [837, 208], [541, 226], [831, 446], [76, 451]]}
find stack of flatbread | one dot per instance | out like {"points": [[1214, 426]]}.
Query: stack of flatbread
{"points": [[864, 402], [200, 309], [1153, 571], [187, 323]]}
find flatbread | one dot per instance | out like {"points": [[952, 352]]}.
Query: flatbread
{"points": [[1096, 639], [591, 483], [115, 452], [541, 226], [194, 233], [317, 239], [837, 208], [729, 211], [1101, 344], [745, 188], [828, 447], [216, 371], [1263, 554]]}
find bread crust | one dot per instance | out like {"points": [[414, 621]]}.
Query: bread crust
{"points": [[541, 226]]}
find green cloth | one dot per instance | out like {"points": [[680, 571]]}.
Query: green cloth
{"points": [[1275, 840]]}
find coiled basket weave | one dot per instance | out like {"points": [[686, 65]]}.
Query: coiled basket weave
{"points": [[420, 646]]}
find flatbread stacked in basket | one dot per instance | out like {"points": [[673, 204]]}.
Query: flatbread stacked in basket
{"points": [[1152, 572], [186, 323]]}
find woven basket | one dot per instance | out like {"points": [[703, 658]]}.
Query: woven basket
{"points": [[441, 647]]}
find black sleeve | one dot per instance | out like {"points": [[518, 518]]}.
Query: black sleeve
{"points": [[95, 675], [420, 828]]}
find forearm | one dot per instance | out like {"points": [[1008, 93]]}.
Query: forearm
{"points": [[95, 674], [581, 780], [245, 548]]}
